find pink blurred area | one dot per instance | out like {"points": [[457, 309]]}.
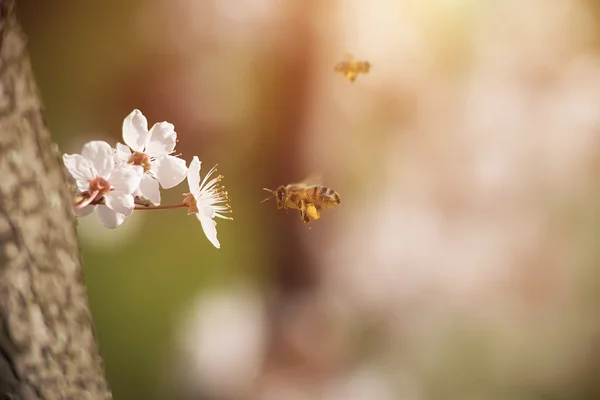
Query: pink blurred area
{"points": [[462, 260]]}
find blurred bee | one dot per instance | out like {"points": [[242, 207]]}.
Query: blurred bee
{"points": [[308, 196], [351, 67]]}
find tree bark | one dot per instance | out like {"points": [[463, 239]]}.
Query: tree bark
{"points": [[47, 342]]}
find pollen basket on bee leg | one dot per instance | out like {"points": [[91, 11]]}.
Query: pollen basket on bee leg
{"points": [[312, 212]]}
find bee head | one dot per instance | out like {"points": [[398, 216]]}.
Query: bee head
{"points": [[279, 194]]}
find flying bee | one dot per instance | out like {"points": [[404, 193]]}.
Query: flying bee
{"points": [[307, 196], [352, 67]]}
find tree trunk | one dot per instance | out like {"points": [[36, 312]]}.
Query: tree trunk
{"points": [[47, 343]]}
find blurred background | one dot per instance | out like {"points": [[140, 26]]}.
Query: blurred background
{"points": [[462, 262]]}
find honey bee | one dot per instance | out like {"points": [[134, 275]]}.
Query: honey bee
{"points": [[307, 196], [351, 67]]}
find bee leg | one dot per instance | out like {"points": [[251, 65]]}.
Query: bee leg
{"points": [[310, 212], [305, 218]]}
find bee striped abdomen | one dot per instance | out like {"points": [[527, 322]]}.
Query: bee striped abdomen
{"points": [[326, 196]]}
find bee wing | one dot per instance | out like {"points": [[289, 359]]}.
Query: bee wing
{"points": [[311, 180], [340, 66], [345, 63], [347, 56], [314, 179]]}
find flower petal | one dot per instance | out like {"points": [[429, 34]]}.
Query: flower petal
{"points": [[149, 189], [193, 176], [206, 211], [120, 202], [122, 153], [209, 226], [85, 211], [135, 131], [170, 171], [101, 155], [126, 178], [81, 169], [110, 218], [162, 139]]}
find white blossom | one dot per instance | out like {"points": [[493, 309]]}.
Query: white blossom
{"points": [[111, 188], [152, 150], [207, 200]]}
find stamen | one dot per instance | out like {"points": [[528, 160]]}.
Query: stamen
{"points": [[207, 176], [141, 159], [99, 184]]}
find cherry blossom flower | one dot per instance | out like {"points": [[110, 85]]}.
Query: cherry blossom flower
{"points": [[106, 188], [152, 150], [207, 200]]}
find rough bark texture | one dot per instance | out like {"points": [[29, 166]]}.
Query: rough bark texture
{"points": [[47, 344]]}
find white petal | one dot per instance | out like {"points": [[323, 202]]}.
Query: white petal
{"points": [[209, 226], [126, 178], [123, 153], [120, 202], [135, 131], [101, 155], [85, 211], [206, 211], [81, 169], [193, 176], [109, 218], [162, 139], [170, 171], [149, 189]]}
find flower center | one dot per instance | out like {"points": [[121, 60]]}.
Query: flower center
{"points": [[99, 184], [190, 202], [141, 159]]}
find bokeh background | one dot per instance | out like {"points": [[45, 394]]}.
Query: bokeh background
{"points": [[463, 260]]}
